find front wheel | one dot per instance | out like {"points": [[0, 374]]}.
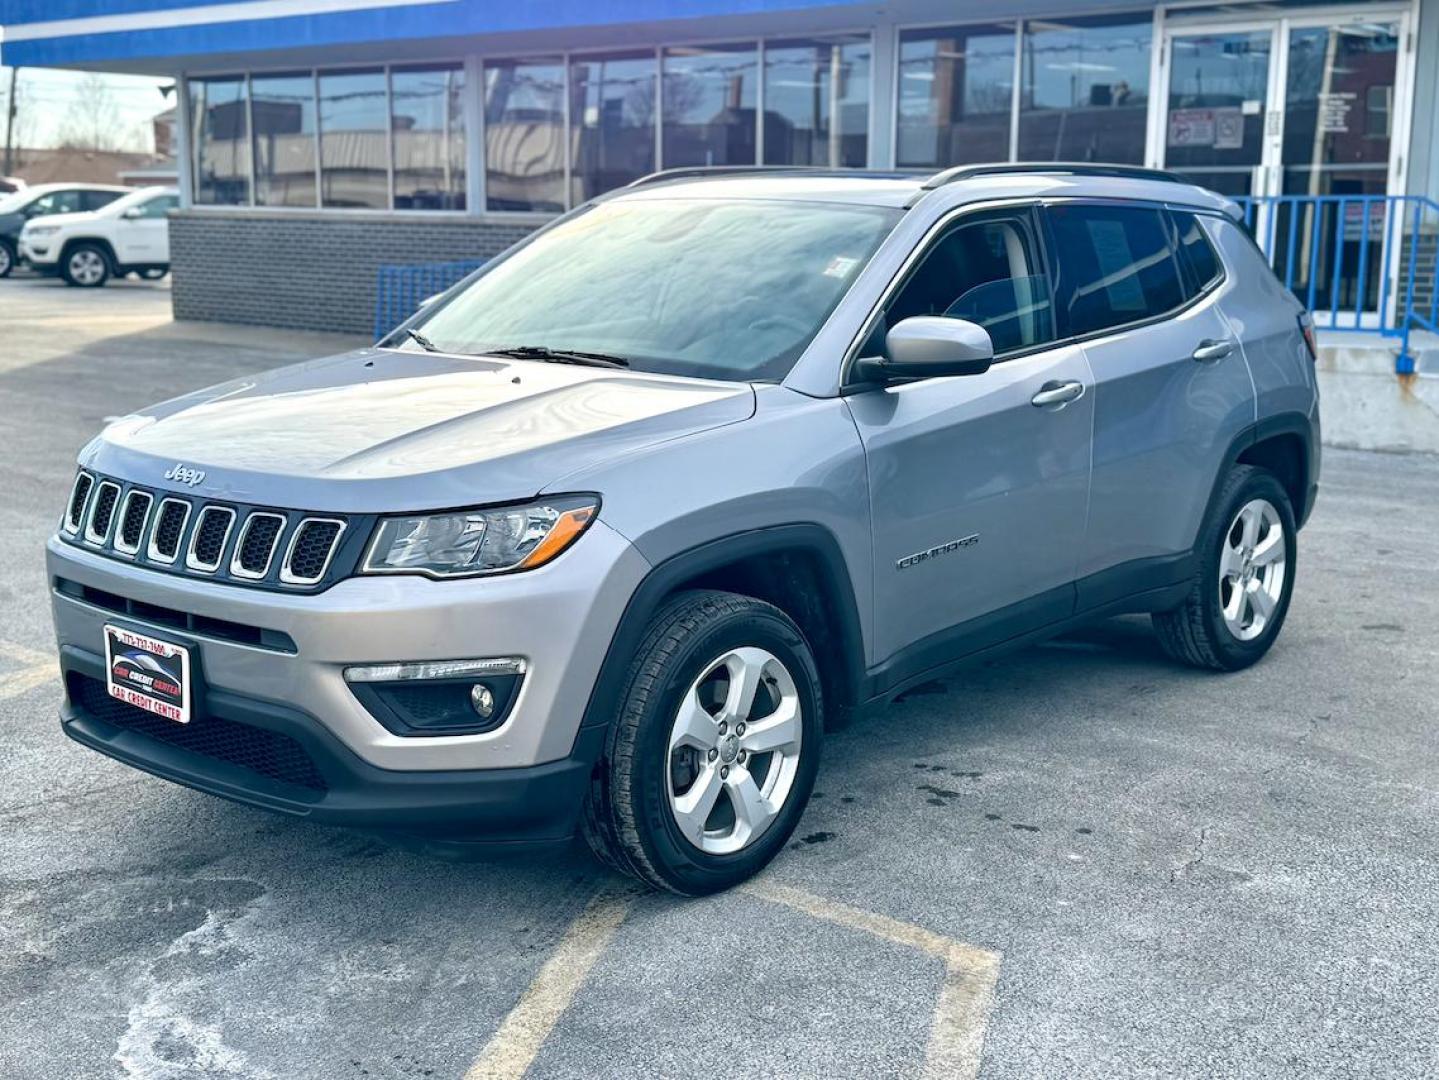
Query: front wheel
{"points": [[86, 266], [713, 753], [1241, 591]]}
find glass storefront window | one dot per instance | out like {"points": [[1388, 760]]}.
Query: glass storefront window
{"points": [[524, 135], [956, 94], [709, 102], [428, 125], [1218, 97], [1086, 89], [219, 113], [816, 102], [612, 108], [354, 140], [283, 108]]}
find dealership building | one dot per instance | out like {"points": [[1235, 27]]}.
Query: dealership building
{"points": [[323, 139]]}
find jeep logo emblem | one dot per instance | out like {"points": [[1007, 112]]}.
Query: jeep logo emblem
{"points": [[183, 474]]}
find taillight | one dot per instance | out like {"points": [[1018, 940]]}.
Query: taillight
{"points": [[1306, 327]]}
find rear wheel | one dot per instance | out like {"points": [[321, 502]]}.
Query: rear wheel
{"points": [[7, 258], [1240, 595], [86, 265], [713, 755]]}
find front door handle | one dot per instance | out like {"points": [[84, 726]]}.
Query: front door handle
{"points": [[1209, 350], [1058, 394]]}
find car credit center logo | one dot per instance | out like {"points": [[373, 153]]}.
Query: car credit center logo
{"points": [[183, 474]]}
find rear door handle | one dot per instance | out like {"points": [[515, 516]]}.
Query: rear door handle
{"points": [[1209, 350], [1058, 394]]}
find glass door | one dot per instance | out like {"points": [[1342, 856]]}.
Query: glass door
{"points": [[1217, 130], [1338, 157]]}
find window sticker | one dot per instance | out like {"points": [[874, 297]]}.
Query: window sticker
{"points": [[1120, 273], [840, 266]]}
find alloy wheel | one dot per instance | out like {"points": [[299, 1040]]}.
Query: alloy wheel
{"points": [[734, 749], [1252, 568], [87, 267]]}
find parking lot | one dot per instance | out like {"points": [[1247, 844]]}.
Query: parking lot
{"points": [[1078, 861]]}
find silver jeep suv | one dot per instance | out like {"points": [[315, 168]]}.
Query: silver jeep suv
{"points": [[602, 539]]}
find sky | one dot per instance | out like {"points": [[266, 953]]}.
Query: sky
{"points": [[53, 102]]}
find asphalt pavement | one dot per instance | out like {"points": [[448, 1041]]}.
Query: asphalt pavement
{"points": [[1077, 861]]}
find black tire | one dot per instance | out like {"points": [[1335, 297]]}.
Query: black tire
{"points": [[102, 269], [7, 257], [627, 818], [154, 273], [1196, 632]]}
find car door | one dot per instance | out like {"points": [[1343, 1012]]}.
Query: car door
{"points": [[142, 235], [978, 484], [62, 201], [1172, 388]]}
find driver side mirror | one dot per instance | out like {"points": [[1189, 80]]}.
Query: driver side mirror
{"points": [[134, 213], [929, 346]]}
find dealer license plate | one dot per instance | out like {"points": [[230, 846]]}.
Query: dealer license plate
{"points": [[148, 673]]}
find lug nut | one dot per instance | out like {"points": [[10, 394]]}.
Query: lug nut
{"points": [[713, 753], [743, 756], [723, 727], [739, 730], [724, 772]]}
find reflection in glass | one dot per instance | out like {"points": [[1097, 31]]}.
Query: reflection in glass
{"points": [[524, 135], [612, 107], [428, 121], [284, 117], [354, 140], [956, 91], [1337, 129], [1218, 96], [816, 102], [709, 105], [222, 145], [1086, 89]]}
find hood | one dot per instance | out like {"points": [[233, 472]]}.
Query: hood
{"points": [[79, 217], [386, 431]]}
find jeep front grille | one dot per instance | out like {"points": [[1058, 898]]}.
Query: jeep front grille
{"points": [[248, 545], [79, 496], [132, 521]]}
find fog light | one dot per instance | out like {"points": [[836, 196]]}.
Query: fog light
{"points": [[482, 700]]}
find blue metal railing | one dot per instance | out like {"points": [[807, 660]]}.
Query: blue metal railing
{"points": [[1354, 260], [399, 290]]}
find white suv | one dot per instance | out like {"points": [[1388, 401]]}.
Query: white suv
{"points": [[131, 235]]}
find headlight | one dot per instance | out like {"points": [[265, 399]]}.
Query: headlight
{"points": [[464, 543], [40, 230]]}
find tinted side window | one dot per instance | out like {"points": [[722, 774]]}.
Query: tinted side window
{"points": [[1197, 253], [159, 206], [986, 270], [1116, 266], [95, 199]]}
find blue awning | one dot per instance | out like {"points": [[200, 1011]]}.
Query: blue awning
{"points": [[177, 35]]}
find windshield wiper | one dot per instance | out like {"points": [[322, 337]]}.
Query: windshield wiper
{"points": [[422, 341], [560, 356]]}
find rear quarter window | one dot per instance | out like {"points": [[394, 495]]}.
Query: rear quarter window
{"points": [[1201, 263], [1117, 265]]}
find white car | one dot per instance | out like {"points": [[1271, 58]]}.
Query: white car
{"points": [[131, 235]]}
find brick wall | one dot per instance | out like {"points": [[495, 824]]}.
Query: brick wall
{"points": [[312, 271], [1426, 254]]}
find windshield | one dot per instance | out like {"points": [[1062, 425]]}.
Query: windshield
{"points": [[724, 290], [134, 198]]}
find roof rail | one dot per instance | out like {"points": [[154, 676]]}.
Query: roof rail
{"points": [[693, 172], [1066, 168], [696, 172]]}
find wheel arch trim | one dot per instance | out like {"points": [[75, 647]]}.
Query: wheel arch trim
{"points": [[671, 574]]}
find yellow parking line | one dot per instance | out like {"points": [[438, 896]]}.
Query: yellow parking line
{"points": [[956, 1039], [40, 668], [517, 1042]]}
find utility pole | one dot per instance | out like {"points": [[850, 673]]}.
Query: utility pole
{"points": [[10, 125]]}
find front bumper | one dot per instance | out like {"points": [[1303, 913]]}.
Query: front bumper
{"points": [[281, 759], [559, 618], [41, 255]]}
